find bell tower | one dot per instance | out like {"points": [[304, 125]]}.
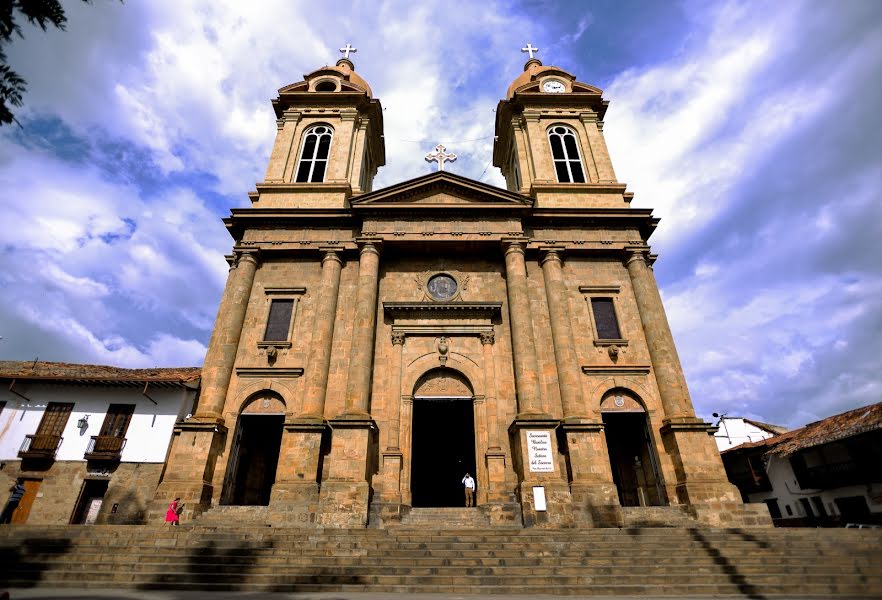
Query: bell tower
{"points": [[329, 143], [549, 140]]}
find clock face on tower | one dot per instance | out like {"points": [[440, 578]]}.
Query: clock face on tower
{"points": [[554, 86]]}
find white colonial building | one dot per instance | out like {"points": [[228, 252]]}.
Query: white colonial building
{"points": [[89, 442], [826, 473], [734, 431]]}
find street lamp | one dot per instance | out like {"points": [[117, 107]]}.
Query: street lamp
{"points": [[722, 419]]}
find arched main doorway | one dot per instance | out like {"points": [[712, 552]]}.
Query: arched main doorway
{"points": [[631, 456], [254, 453], [443, 439]]}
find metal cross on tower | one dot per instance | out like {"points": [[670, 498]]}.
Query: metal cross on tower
{"points": [[347, 50], [530, 49], [440, 156]]}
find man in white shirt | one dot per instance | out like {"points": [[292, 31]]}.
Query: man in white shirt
{"points": [[469, 484]]}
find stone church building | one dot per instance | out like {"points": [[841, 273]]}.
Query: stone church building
{"points": [[373, 346]]}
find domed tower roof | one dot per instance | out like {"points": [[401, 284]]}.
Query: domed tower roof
{"points": [[535, 72], [338, 79]]}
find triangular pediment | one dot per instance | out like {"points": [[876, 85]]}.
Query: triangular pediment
{"points": [[443, 190]]}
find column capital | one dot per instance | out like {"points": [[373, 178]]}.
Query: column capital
{"points": [[514, 245], [331, 254], [369, 244], [633, 253], [398, 338], [246, 255], [551, 253], [488, 338]]}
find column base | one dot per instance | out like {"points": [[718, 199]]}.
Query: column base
{"points": [[345, 494], [535, 449], [596, 505], [189, 469], [558, 511], [344, 504], [702, 484]]}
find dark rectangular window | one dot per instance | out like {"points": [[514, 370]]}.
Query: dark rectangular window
{"points": [[116, 423], [774, 510], [55, 418], [605, 319], [279, 321]]}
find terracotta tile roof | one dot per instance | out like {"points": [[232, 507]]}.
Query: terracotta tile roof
{"points": [[96, 374], [831, 429], [767, 426]]}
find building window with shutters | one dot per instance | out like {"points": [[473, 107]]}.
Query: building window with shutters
{"points": [[111, 439], [604, 315], [46, 441], [565, 154], [314, 154], [280, 316]]}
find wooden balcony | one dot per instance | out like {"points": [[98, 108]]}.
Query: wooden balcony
{"points": [[105, 447], [40, 446]]}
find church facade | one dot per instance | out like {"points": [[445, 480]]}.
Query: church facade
{"points": [[374, 346]]}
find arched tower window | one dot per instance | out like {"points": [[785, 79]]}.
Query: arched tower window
{"points": [[314, 154], [565, 152]]}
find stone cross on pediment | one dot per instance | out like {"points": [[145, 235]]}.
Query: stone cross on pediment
{"points": [[440, 156]]}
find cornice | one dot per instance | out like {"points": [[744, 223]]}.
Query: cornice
{"points": [[487, 310]]}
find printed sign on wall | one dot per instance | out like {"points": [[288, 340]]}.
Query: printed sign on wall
{"points": [[539, 451]]}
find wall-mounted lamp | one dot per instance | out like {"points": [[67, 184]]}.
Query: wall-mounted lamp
{"points": [[83, 422]]}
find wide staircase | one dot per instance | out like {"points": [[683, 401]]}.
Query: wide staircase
{"points": [[445, 518], [680, 562]]}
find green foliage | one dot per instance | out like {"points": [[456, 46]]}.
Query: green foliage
{"points": [[41, 13]]}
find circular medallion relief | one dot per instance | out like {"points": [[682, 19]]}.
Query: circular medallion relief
{"points": [[442, 286]]}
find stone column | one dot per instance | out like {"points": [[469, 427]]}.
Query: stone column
{"points": [[568, 375], [361, 358], [345, 494], [701, 483], [218, 366], [322, 338], [495, 456], [520, 322], [662, 352], [197, 442]]}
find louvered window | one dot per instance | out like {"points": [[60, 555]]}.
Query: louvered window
{"points": [[279, 321], [55, 418], [605, 319], [116, 423], [314, 154], [565, 153]]}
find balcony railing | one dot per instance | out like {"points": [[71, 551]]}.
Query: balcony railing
{"points": [[40, 446], [105, 447]]}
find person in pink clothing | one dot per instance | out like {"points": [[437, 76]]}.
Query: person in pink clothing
{"points": [[173, 514]]}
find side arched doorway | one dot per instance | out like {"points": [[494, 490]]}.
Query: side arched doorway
{"points": [[443, 439], [631, 455], [254, 452]]}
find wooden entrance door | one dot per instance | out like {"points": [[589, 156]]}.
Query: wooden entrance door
{"points": [[27, 501]]}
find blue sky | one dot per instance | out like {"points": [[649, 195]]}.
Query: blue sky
{"points": [[751, 128]]}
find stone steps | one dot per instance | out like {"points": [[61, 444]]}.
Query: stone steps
{"points": [[823, 563], [447, 518]]}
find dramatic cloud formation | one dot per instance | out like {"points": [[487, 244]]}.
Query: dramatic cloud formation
{"points": [[750, 128]]}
